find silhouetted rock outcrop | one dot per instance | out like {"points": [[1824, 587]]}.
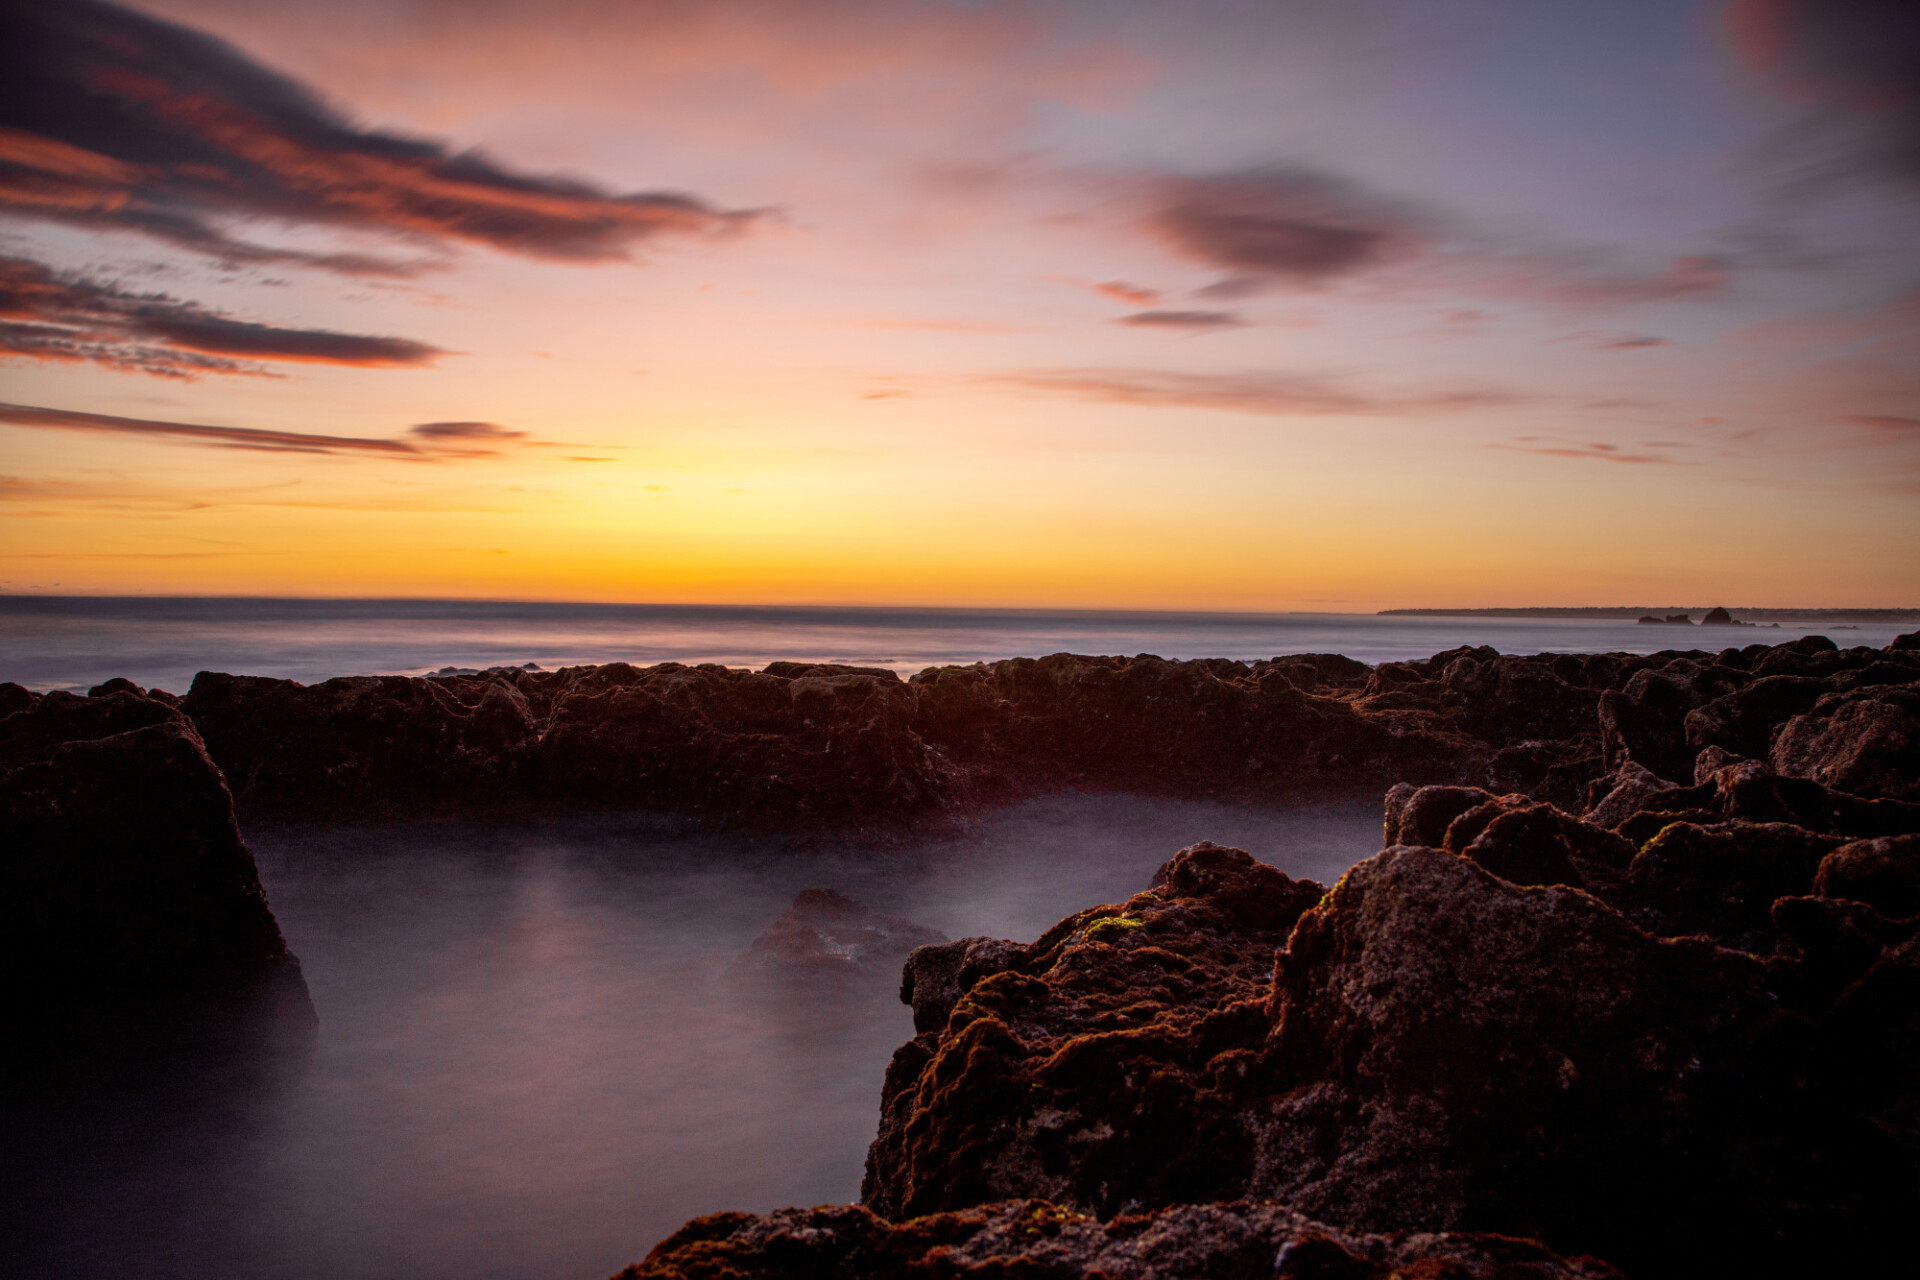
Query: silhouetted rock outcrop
{"points": [[133, 929], [855, 750]]}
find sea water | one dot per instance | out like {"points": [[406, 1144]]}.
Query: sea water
{"points": [[538, 1054], [75, 642]]}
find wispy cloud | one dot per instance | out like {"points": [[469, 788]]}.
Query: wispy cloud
{"points": [[1850, 69], [1302, 227], [1885, 422], [1191, 320], [1133, 295], [1269, 394], [1590, 451], [112, 119], [48, 316], [429, 441]]}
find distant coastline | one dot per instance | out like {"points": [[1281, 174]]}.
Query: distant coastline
{"points": [[1631, 612]]}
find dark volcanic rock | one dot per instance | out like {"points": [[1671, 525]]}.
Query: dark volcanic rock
{"points": [[1101, 1067], [1744, 721], [1038, 1240], [828, 932], [362, 745], [1206, 726], [819, 748], [132, 923], [1885, 873], [1440, 1049], [1646, 723], [1866, 745], [936, 976], [1722, 880]]}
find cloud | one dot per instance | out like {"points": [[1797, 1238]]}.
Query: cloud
{"points": [[491, 431], [1195, 320], [1285, 224], [1631, 344], [1292, 226], [1853, 67], [425, 447], [1132, 294], [112, 119], [1268, 394], [1594, 451], [46, 316], [1885, 422]]}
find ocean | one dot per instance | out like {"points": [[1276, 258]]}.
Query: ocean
{"points": [[72, 642]]}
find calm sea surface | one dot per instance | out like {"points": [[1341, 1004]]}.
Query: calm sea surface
{"points": [[537, 1055], [73, 642]]}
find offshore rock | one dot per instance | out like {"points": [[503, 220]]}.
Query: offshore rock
{"points": [[1033, 1238], [133, 929]]}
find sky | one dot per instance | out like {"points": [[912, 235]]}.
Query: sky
{"points": [[1193, 304]]}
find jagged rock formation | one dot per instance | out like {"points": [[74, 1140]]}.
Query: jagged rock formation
{"points": [[1034, 1238], [808, 748], [1679, 1029], [132, 923]]}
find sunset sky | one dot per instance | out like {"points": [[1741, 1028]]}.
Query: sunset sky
{"points": [[1326, 305]]}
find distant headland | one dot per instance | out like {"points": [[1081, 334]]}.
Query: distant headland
{"points": [[1673, 614]]}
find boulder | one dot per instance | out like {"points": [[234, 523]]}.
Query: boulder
{"points": [[937, 975], [1645, 722], [1868, 746], [1744, 721], [1034, 1238], [1884, 873], [133, 929], [1102, 1067]]}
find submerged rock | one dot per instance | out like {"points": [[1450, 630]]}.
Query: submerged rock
{"points": [[825, 932], [1033, 1238]]}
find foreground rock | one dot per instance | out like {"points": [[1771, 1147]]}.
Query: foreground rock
{"points": [[1032, 1238], [132, 924], [1433, 1047]]}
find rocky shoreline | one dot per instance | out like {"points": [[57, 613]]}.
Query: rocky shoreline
{"points": [[1635, 977]]}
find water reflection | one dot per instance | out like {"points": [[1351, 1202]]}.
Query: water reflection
{"points": [[537, 1055]]}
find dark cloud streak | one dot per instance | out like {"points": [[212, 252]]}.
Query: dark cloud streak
{"points": [[48, 316], [116, 120], [1267, 394], [425, 447]]}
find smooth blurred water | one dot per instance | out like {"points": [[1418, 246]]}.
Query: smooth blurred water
{"points": [[537, 1056], [74, 642]]}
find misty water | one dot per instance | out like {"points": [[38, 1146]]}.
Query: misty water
{"points": [[539, 1053]]}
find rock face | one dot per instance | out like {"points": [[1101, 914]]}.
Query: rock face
{"points": [[1021, 1238], [808, 748], [1679, 1056], [1100, 1068], [132, 923]]}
